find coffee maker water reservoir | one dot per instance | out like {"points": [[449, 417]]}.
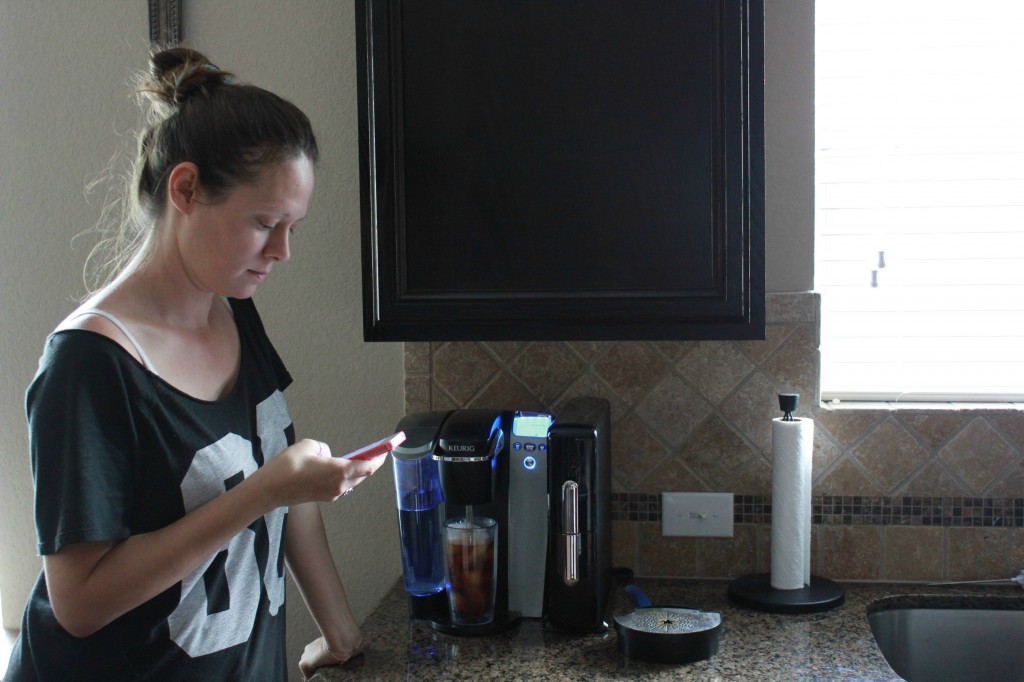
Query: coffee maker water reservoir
{"points": [[420, 509]]}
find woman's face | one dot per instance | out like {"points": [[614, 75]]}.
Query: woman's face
{"points": [[236, 241]]}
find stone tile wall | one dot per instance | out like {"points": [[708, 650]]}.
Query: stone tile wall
{"points": [[901, 492]]}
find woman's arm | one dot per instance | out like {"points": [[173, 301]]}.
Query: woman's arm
{"points": [[309, 560], [92, 583]]}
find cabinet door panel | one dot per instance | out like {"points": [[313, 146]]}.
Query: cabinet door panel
{"points": [[558, 169]]}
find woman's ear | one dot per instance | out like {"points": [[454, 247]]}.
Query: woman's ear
{"points": [[183, 186]]}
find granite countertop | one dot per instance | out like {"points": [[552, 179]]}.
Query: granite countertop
{"points": [[831, 645]]}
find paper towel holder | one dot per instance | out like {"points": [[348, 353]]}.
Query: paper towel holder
{"points": [[788, 403], [756, 591]]}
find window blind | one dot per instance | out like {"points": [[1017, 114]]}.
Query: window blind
{"points": [[919, 232]]}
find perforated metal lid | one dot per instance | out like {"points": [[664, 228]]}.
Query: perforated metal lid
{"points": [[669, 620]]}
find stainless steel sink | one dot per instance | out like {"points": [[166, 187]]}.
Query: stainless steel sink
{"points": [[951, 639]]}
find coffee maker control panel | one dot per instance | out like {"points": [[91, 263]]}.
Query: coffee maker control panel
{"points": [[530, 440], [528, 471]]}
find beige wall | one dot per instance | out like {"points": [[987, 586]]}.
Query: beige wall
{"points": [[789, 144], [64, 67]]}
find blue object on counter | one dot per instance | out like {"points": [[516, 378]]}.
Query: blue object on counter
{"points": [[420, 507], [641, 599]]}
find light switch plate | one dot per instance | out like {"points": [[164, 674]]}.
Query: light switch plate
{"points": [[697, 514]]}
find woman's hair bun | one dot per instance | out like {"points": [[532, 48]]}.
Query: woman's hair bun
{"points": [[178, 73]]}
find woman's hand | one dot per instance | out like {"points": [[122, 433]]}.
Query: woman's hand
{"points": [[306, 472], [318, 655]]}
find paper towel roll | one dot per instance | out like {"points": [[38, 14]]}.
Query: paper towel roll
{"points": [[792, 450]]}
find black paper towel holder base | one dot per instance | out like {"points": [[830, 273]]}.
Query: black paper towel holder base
{"points": [[756, 592]]}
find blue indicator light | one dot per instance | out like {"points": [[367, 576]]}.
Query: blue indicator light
{"points": [[529, 463]]}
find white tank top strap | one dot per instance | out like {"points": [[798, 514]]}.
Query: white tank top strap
{"points": [[124, 330]]}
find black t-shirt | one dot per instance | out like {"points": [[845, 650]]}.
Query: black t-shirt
{"points": [[116, 451]]}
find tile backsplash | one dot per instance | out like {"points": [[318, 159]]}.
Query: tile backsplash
{"points": [[901, 492]]}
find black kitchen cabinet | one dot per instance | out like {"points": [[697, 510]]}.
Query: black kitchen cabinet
{"points": [[561, 169]]}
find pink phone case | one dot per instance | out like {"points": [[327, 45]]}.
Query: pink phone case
{"points": [[381, 447]]}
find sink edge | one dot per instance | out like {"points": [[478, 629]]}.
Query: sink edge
{"points": [[946, 601]]}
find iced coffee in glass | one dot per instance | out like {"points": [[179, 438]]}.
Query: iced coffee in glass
{"points": [[471, 569]]}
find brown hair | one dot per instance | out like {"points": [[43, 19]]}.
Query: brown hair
{"points": [[199, 113]]}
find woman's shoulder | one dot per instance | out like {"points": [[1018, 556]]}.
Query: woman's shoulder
{"points": [[255, 339], [71, 346], [242, 306], [90, 317], [79, 362], [247, 318]]}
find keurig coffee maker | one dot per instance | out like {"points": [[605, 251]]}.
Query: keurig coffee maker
{"points": [[492, 467], [505, 514]]}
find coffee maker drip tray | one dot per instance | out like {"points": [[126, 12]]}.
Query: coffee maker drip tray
{"points": [[446, 627]]}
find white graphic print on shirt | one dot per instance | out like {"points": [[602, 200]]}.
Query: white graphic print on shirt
{"points": [[193, 626], [272, 419]]}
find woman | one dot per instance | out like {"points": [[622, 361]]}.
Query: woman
{"points": [[170, 489]]}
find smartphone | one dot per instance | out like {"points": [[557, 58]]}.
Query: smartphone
{"points": [[381, 447]]}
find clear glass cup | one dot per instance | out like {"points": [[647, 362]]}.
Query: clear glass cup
{"points": [[471, 569]]}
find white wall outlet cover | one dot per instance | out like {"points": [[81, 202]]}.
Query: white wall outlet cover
{"points": [[697, 514]]}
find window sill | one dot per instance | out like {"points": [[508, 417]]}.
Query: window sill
{"points": [[917, 407]]}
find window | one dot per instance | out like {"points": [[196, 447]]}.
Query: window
{"points": [[919, 233]]}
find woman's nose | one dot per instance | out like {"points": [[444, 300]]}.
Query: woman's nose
{"points": [[278, 247]]}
